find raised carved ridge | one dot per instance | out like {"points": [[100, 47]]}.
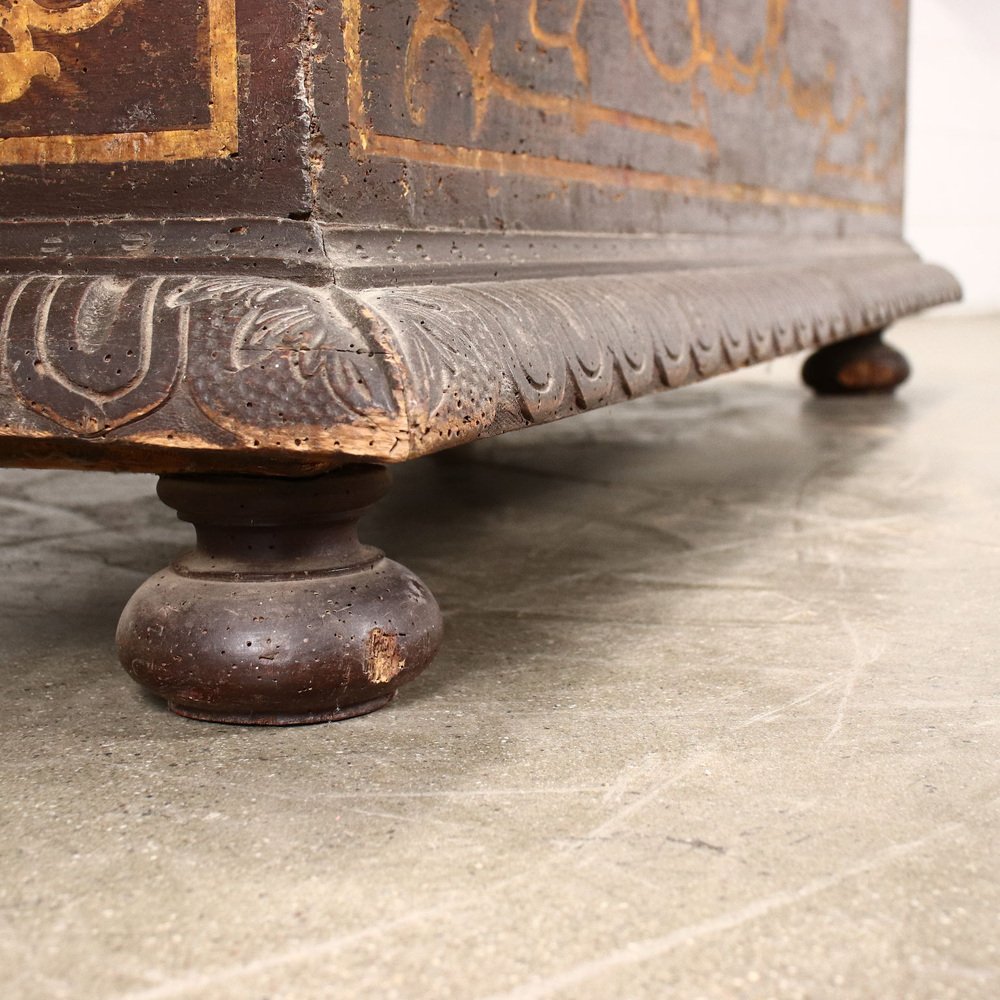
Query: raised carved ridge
{"points": [[485, 358], [230, 371]]}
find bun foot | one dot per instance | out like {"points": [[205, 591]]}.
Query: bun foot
{"points": [[856, 366], [307, 719], [279, 616]]}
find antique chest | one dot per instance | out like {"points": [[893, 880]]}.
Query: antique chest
{"points": [[266, 247]]}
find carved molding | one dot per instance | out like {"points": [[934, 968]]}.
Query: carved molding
{"points": [[274, 365], [92, 354], [488, 357], [223, 367]]}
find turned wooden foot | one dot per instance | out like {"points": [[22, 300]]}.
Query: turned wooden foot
{"points": [[858, 365], [279, 616]]}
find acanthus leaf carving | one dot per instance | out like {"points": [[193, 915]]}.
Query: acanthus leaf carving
{"points": [[275, 364]]}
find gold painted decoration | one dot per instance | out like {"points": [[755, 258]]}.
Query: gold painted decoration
{"points": [[71, 120], [854, 139], [19, 18]]}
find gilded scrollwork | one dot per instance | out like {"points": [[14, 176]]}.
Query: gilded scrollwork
{"points": [[431, 23], [61, 94], [708, 65], [24, 63]]}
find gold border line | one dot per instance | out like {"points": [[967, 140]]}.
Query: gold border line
{"points": [[368, 142], [217, 141]]}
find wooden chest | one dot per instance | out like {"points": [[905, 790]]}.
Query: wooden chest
{"points": [[265, 247]]}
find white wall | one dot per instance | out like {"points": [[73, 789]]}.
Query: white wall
{"points": [[953, 167]]}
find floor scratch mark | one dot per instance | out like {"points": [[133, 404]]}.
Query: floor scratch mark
{"points": [[860, 661], [201, 983], [643, 951]]}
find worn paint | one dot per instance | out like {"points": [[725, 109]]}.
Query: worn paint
{"points": [[383, 660], [811, 100]]}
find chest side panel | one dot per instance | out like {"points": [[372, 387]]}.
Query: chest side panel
{"points": [[620, 115]]}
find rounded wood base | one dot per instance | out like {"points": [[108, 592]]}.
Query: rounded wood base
{"points": [[280, 616], [857, 366], [307, 719]]}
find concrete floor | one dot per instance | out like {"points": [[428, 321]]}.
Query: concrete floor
{"points": [[718, 716]]}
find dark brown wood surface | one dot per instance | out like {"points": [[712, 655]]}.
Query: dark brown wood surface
{"points": [[278, 238], [285, 236], [625, 115], [279, 616], [216, 372]]}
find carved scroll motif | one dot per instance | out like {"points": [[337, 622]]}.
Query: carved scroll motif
{"points": [[19, 18], [91, 353], [857, 134], [275, 363], [487, 358], [239, 365]]}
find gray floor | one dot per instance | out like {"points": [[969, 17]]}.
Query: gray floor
{"points": [[718, 716]]}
